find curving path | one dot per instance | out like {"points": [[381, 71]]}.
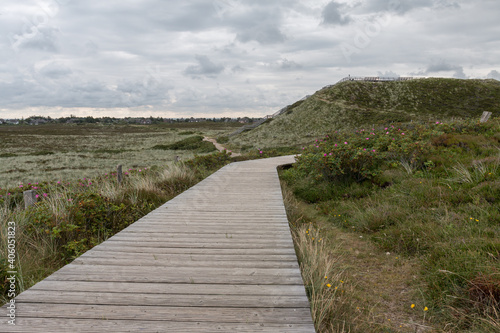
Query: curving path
{"points": [[217, 258]]}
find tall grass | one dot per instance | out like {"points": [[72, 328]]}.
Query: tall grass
{"points": [[329, 292]]}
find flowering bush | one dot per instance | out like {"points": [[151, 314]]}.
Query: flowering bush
{"points": [[360, 155]]}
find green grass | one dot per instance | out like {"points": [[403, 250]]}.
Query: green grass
{"points": [[354, 104], [429, 196]]}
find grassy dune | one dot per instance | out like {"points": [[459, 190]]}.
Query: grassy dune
{"points": [[354, 104]]}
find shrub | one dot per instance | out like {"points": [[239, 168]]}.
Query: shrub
{"points": [[191, 143]]}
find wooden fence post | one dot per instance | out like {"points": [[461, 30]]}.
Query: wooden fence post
{"points": [[485, 117], [119, 174], [29, 198]]}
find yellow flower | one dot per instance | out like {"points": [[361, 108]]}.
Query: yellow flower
{"points": [[412, 306], [477, 220], [328, 285], [425, 309], [326, 277], [313, 238]]}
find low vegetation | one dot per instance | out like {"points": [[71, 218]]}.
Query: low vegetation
{"points": [[51, 152], [194, 143], [426, 197]]}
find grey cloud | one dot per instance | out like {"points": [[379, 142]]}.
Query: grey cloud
{"points": [[332, 14], [288, 64], [442, 66], [41, 39], [205, 67], [494, 74], [404, 6], [388, 74], [267, 33], [237, 69], [55, 71]]}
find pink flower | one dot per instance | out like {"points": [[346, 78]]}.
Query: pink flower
{"points": [[402, 134], [386, 128], [335, 145], [36, 196], [324, 155], [373, 150], [70, 200], [437, 122], [367, 138], [345, 142], [330, 154], [45, 195], [59, 182], [387, 133], [303, 148], [364, 149], [260, 152], [20, 185]]}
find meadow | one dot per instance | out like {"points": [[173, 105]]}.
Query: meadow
{"points": [[54, 152]]}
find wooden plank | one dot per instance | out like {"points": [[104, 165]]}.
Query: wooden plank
{"points": [[173, 288], [65, 325], [187, 257], [168, 300], [169, 250], [194, 244], [119, 261], [156, 313]]}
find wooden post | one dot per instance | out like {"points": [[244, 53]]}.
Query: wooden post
{"points": [[29, 198], [119, 174], [485, 117]]}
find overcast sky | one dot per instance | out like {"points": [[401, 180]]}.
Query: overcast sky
{"points": [[226, 57]]}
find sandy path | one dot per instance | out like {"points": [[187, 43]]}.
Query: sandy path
{"points": [[219, 146]]}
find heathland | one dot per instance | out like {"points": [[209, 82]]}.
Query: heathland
{"points": [[393, 202], [53, 152]]}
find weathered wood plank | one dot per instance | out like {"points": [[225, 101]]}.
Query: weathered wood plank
{"points": [[166, 250], [173, 288], [65, 325], [152, 313], [187, 257], [167, 300], [118, 261]]}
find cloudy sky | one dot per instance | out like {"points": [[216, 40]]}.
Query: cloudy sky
{"points": [[226, 57]]}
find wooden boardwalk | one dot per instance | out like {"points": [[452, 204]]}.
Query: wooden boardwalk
{"points": [[217, 258]]}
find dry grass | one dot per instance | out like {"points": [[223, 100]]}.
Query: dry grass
{"points": [[56, 152]]}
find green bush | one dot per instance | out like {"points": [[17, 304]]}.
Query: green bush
{"points": [[191, 143]]}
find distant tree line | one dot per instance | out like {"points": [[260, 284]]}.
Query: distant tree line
{"points": [[40, 120]]}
